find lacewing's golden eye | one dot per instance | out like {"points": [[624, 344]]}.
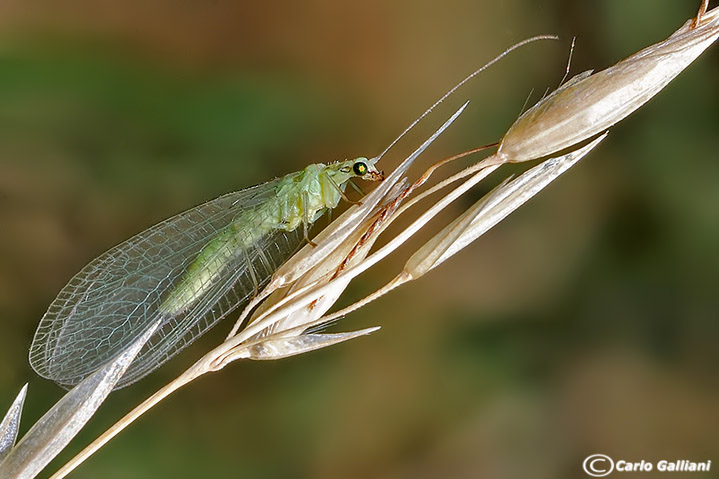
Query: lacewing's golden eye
{"points": [[359, 168]]}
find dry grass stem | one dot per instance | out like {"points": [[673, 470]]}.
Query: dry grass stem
{"points": [[285, 317]]}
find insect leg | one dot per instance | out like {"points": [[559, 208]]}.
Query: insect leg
{"points": [[342, 193], [306, 217], [356, 188]]}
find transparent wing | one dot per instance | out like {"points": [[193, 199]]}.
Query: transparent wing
{"points": [[110, 302]]}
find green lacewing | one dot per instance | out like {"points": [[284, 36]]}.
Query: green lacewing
{"points": [[192, 270], [195, 268]]}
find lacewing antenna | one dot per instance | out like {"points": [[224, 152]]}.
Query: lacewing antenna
{"points": [[458, 85]]}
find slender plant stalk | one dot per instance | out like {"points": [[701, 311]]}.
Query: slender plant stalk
{"points": [[282, 317]]}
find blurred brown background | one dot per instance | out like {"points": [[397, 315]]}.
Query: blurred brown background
{"points": [[584, 323]]}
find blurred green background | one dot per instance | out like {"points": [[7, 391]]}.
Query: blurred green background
{"points": [[584, 323]]}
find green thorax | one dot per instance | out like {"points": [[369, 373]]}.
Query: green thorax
{"points": [[300, 197]]}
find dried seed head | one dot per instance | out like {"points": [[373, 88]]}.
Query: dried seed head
{"points": [[490, 210], [589, 104]]}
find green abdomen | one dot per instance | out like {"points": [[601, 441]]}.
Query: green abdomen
{"points": [[287, 212], [207, 269]]}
